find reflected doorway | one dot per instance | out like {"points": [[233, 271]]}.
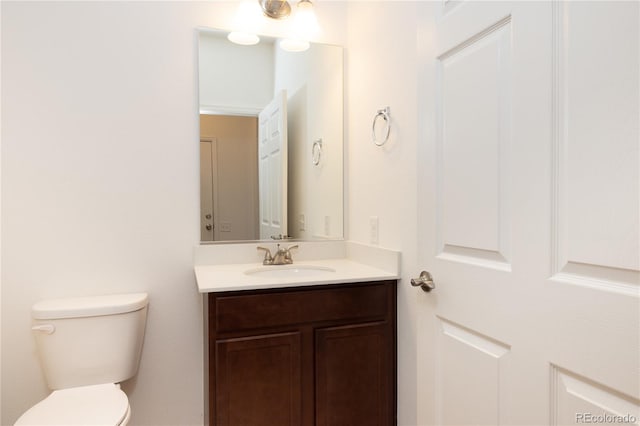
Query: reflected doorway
{"points": [[228, 178]]}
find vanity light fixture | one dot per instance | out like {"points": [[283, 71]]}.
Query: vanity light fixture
{"points": [[303, 28], [275, 9], [305, 20], [247, 23]]}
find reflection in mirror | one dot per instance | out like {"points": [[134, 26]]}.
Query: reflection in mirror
{"points": [[271, 140]]}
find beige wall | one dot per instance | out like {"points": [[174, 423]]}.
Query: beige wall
{"points": [[236, 141]]}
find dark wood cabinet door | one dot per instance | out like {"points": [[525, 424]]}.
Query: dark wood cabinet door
{"points": [[258, 380], [355, 367]]}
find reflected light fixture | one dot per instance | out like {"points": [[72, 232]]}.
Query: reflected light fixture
{"points": [[293, 45], [245, 39]]}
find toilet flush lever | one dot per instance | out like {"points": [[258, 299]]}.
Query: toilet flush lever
{"points": [[44, 328]]}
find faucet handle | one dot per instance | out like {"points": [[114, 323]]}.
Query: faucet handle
{"points": [[287, 254], [268, 259]]}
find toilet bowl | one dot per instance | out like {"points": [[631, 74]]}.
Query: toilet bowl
{"points": [[94, 405], [87, 346]]}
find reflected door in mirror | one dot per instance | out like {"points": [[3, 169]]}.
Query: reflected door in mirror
{"points": [[272, 165], [207, 162]]}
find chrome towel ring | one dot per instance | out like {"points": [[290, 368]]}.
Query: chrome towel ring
{"points": [[385, 115]]}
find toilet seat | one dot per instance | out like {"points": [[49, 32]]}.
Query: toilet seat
{"points": [[95, 405]]}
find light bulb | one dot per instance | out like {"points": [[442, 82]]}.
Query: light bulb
{"points": [[305, 24], [248, 17], [246, 24]]}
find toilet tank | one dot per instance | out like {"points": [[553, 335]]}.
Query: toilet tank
{"points": [[90, 340]]}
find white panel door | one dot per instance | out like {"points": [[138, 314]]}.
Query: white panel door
{"points": [[528, 214], [272, 167]]}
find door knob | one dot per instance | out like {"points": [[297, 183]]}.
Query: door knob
{"points": [[208, 227], [425, 281]]}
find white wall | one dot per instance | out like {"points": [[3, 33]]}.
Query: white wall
{"points": [[100, 181], [381, 181]]}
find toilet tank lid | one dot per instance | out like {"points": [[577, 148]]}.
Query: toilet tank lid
{"points": [[90, 306]]}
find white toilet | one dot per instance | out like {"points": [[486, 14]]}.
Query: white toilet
{"points": [[87, 346]]}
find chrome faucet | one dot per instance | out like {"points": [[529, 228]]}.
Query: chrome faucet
{"points": [[281, 257]]}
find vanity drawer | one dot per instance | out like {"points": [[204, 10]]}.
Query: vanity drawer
{"points": [[251, 310]]}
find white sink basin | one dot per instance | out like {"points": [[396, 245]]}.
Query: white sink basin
{"points": [[289, 271]]}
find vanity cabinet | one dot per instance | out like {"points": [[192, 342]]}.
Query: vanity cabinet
{"points": [[321, 355]]}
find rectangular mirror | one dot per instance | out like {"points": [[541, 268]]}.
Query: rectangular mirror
{"points": [[271, 140]]}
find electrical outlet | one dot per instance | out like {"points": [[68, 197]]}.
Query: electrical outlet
{"points": [[301, 223], [373, 230], [327, 226]]}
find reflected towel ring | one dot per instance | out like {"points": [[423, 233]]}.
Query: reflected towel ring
{"points": [[384, 114], [316, 152]]}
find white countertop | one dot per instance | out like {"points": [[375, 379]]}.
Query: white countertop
{"points": [[360, 263], [214, 278]]}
